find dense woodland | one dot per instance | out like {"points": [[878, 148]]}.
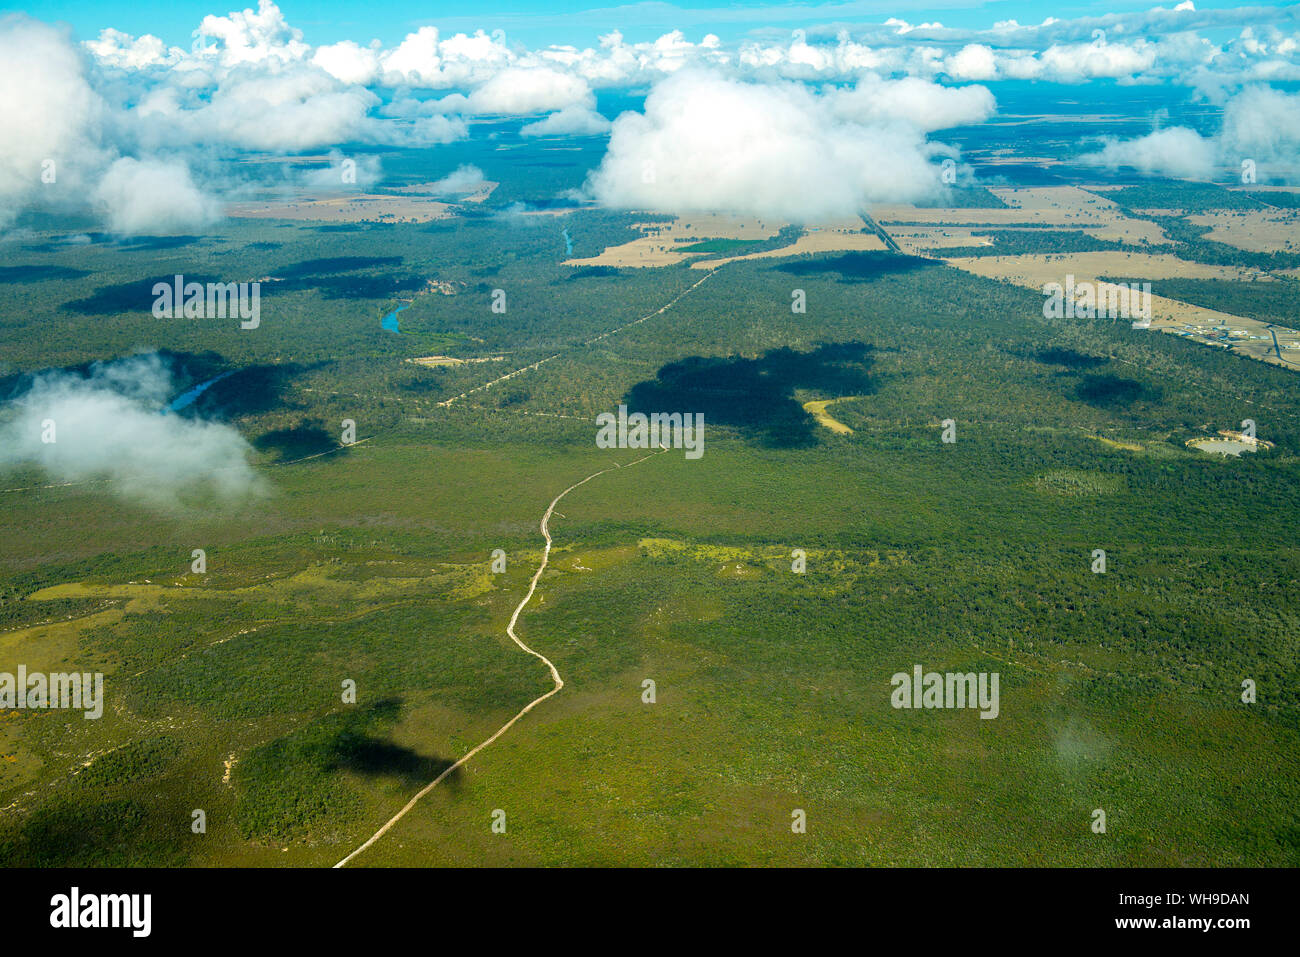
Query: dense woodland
{"points": [[1119, 690]]}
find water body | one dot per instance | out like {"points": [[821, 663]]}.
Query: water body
{"points": [[568, 244], [189, 395], [1224, 446], [389, 321]]}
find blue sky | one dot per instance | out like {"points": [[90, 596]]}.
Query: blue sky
{"points": [[759, 121], [538, 22]]}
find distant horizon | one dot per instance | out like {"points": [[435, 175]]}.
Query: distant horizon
{"points": [[537, 22]]}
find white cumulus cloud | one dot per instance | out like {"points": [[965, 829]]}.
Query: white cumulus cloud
{"points": [[529, 90], [153, 197], [348, 62], [709, 143], [49, 130], [1176, 152], [570, 121], [464, 179], [108, 425]]}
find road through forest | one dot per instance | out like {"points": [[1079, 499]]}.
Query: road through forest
{"points": [[556, 680]]}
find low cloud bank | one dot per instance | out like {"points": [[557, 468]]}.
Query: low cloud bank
{"points": [[464, 179], [1260, 126], [1178, 152], [107, 424], [153, 196]]}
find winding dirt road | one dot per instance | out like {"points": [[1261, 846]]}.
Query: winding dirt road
{"points": [[557, 681]]}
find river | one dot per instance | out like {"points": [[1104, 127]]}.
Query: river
{"points": [[389, 321], [189, 395]]}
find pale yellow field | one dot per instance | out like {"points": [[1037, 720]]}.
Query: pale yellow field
{"points": [[940, 216], [658, 247], [1011, 158], [349, 208], [435, 361], [825, 240], [928, 231], [715, 226], [1067, 207], [1246, 337], [1066, 199], [1036, 269], [921, 240], [915, 229], [1255, 230], [423, 189]]}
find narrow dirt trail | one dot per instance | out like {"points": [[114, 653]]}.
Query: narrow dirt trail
{"points": [[604, 335], [557, 681]]}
